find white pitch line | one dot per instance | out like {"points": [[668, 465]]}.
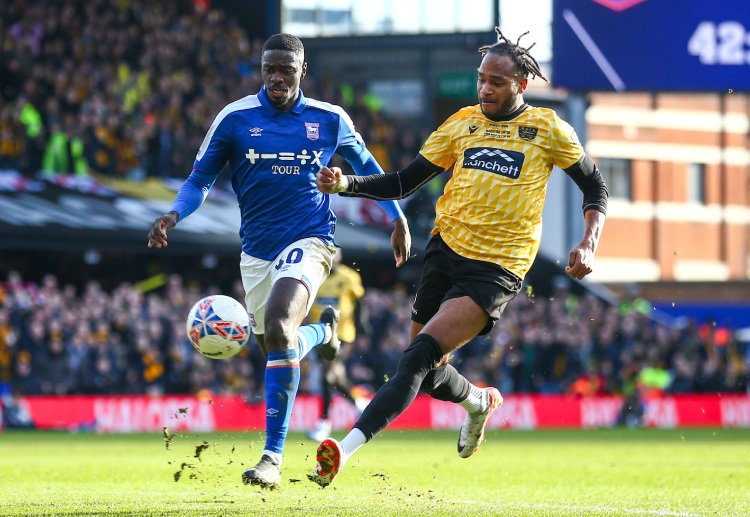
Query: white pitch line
{"points": [[574, 508], [593, 49]]}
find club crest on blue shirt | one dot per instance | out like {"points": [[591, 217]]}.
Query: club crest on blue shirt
{"points": [[313, 130]]}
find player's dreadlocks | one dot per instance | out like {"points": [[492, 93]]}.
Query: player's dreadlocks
{"points": [[526, 64]]}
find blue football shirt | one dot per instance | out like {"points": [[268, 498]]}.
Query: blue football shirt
{"points": [[273, 157]]}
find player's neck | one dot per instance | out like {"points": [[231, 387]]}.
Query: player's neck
{"points": [[510, 115]]}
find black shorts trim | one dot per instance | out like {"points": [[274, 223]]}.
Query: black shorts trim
{"points": [[447, 275]]}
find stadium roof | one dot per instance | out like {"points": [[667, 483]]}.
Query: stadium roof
{"points": [[75, 214]]}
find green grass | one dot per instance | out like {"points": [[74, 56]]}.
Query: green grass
{"points": [[543, 473]]}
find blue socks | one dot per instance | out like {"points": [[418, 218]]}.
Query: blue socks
{"points": [[282, 382]]}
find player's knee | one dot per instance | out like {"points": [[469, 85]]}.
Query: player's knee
{"points": [[421, 355], [279, 336]]}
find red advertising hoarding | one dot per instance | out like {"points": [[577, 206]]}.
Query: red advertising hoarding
{"points": [[130, 414]]}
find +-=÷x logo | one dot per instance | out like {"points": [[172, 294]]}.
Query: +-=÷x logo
{"points": [[303, 157]]}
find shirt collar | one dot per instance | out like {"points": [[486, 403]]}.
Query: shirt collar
{"points": [[298, 107], [511, 116]]}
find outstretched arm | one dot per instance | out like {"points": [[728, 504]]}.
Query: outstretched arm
{"points": [[212, 156], [365, 165], [397, 185], [352, 148]]}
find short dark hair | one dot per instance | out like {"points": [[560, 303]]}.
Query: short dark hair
{"points": [[285, 41], [525, 64]]}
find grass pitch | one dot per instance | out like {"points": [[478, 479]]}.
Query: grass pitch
{"points": [[687, 472]]}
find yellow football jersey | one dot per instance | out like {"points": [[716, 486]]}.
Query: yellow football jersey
{"points": [[491, 208], [341, 290]]}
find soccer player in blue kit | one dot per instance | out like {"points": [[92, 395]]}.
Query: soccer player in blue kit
{"points": [[275, 142]]}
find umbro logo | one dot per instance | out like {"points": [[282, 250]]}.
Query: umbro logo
{"points": [[256, 131], [473, 129]]}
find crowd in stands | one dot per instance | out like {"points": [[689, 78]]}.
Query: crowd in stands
{"points": [[128, 88], [55, 340]]}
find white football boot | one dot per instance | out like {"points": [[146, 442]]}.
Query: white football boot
{"points": [[471, 435]]}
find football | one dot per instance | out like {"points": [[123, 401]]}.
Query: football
{"points": [[218, 326]]}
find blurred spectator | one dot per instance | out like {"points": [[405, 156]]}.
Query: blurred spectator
{"points": [[31, 120], [26, 381], [7, 352], [683, 375], [53, 368], [65, 152], [589, 384], [11, 140]]}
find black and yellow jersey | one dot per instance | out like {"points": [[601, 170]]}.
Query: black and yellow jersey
{"points": [[491, 209], [341, 290]]}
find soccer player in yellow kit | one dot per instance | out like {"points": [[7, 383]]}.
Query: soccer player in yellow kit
{"points": [[341, 290], [488, 225]]}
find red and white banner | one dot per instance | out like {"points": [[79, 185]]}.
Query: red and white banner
{"points": [[130, 414]]}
